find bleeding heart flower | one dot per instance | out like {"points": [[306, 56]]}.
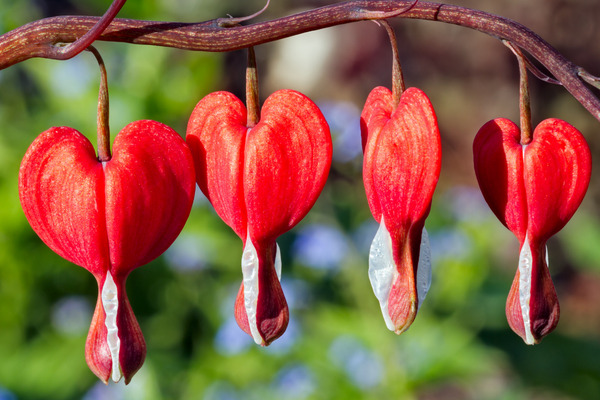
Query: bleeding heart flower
{"points": [[109, 217], [261, 181], [534, 190], [402, 161]]}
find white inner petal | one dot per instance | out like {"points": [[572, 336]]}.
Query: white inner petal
{"points": [[250, 278], [525, 271], [110, 303], [382, 270], [278, 262], [423, 269]]}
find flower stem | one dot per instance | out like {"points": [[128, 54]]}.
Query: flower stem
{"points": [[397, 77], [103, 128], [252, 101], [524, 99], [524, 104]]}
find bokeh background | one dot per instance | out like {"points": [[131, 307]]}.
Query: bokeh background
{"points": [[336, 346]]}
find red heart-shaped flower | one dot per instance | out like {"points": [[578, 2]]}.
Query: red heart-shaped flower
{"points": [[261, 181], [109, 217], [401, 167], [534, 190]]}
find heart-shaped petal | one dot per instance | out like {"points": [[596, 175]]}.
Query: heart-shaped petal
{"points": [[534, 190], [109, 217], [150, 187], [112, 216], [402, 161], [261, 181], [286, 164], [216, 135], [61, 188], [498, 157]]}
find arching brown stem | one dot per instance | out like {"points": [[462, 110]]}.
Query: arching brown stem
{"points": [[36, 39]]}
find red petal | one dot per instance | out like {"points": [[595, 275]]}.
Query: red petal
{"points": [[557, 174], [498, 158], [118, 217], [406, 147], [287, 160], [216, 134], [376, 113], [150, 183], [62, 194]]}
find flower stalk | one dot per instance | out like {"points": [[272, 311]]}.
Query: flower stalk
{"points": [[103, 133]]}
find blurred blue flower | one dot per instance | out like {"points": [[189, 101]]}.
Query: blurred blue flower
{"points": [[100, 391], [296, 291], [466, 203], [294, 382], [220, 391], [189, 252], [72, 315], [449, 244], [343, 118], [6, 394], [363, 235], [320, 246], [231, 339], [141, 387], [363, 367]]}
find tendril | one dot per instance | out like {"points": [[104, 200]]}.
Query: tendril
{"points": [[231, 21], [530, 66]]}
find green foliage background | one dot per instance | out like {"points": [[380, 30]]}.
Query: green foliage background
{"points": [[337, 346]]}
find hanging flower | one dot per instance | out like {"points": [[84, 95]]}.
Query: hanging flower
{"points": [[534, 190], [109, 217], [402, 161], [262, 180]]}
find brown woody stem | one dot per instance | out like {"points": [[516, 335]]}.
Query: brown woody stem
{"points": [[82, 43], [37, 39]]}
